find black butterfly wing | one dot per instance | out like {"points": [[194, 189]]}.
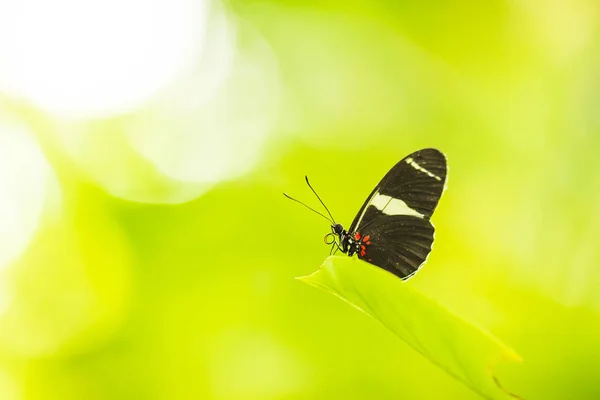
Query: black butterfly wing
{"points": [[399, 244], [412, 187], [396, 214]]}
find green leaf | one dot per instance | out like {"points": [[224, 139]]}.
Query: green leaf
{"points": [[460, 348]]}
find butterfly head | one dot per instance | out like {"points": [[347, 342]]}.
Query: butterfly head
{"points": [[337, 229]]}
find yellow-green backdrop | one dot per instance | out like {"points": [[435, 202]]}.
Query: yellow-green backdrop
{"points": [[148, 253]]}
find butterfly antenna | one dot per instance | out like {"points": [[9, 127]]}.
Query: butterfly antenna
{"points": [[310, 208], [314, 191]]}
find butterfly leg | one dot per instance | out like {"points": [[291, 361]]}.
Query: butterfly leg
{"points": [[335, 246], [331, 252]]}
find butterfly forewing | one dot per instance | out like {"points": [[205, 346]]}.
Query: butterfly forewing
{"points": [[412, 187]]}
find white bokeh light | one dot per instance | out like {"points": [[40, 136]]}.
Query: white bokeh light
{"points": [[25, 177], [95, 58], [191, 139], [208, 125]]}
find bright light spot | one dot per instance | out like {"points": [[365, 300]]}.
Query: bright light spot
{"points": [[191, 139], [24, 179], [208, 125], [95, 58]]}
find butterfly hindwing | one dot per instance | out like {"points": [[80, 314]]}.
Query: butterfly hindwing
{"points": [[399, 244]]}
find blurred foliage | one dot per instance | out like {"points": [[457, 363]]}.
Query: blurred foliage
{"points": [[458, 347], [117, 299]]}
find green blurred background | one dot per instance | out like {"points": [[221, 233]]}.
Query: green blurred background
{"points": [[147, 251]]}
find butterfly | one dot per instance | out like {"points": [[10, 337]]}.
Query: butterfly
{"points": [[392, 230]]}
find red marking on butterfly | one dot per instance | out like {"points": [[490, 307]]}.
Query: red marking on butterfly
{"points": [[357, 236]]}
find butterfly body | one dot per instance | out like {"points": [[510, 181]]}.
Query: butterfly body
{"points": [[350, 242]]}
